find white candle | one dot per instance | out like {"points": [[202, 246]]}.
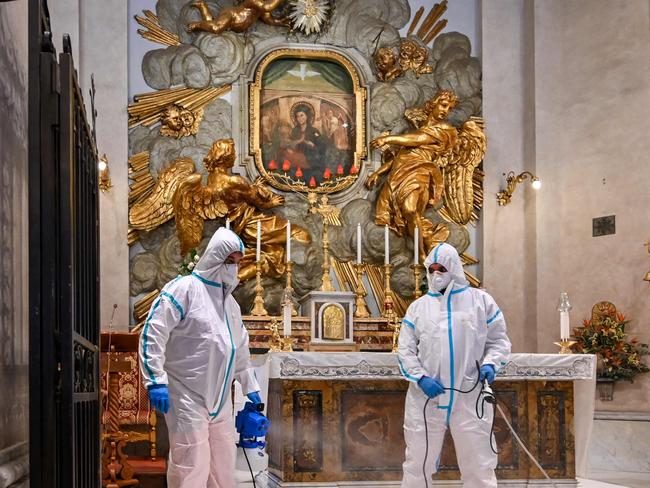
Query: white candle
{"points": [[416, 246], [286, 319], [386, 251], [259, 241], [288, 241], [358, 243], [228, 224], [564, 325]]}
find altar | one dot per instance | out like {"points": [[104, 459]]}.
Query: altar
{"points": [[337, 419]]}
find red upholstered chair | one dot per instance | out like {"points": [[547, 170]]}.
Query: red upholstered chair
{"points": [[133, 408]]}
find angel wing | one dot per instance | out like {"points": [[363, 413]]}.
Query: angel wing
{"points": [[157, 208], [193, 204], [458, 168]]}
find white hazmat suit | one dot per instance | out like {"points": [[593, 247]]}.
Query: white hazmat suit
{"points": [[442, 337], [194, 340]]}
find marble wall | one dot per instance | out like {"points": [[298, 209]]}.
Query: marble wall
{"points": [[619, 445], [566, 91], [14, 316]]}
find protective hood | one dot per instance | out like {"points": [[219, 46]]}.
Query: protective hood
{"points": [[447, 255], [211, 266]]}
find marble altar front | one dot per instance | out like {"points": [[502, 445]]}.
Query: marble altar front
{"points": [[337, 419]]}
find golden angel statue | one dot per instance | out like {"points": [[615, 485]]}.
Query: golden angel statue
{"points": [[239, 18], [433, 162], [179, 193]]}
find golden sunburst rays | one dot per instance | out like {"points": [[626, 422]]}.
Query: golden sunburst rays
{"points": [[153, 31], [309, 16], [147, 108], [141, 185], [432, 24], [141, 309]]}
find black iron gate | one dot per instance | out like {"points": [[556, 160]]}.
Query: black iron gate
{"points": [[64, 270]]}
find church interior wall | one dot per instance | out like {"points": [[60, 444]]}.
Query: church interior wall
{"points": [[99, 34], [592, 91], [14, 311], [565, 97]]}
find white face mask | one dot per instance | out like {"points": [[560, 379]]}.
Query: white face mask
{"points": [[229, 277], [438, 281]]}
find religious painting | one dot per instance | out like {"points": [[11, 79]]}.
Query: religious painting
{"points": [[307, 127]]}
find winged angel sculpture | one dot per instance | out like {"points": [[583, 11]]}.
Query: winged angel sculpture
{"points": [[179, 193], [432, 165]]}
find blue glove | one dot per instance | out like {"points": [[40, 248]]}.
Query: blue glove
{"points": [[487, 373], [254, 397], [159, 397], [430, 386]]}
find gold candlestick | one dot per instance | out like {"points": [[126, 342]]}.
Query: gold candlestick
{"points": [[565, 346], [396, 325], [389, 304], [258, 307], [327, 282], [361, 310], [417, 270], [288, 290]]}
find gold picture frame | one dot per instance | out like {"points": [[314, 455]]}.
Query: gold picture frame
{"points": [[307, 120]]}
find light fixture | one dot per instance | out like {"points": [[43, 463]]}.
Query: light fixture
{"points": [[512, 180], [104, 174]]}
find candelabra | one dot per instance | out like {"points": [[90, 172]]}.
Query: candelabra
{"points": [[417, 271], [288, 289], [389, 303], [258, 308], [565, 346], [361, 310], [327, 282]]}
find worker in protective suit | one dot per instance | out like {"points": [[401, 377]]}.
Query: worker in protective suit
{"points": [[192, 346], [443, 335]]}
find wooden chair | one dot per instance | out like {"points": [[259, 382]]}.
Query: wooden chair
{"points": [[134, 415]]}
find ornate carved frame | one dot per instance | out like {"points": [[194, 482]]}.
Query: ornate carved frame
{"points": [[255, 109]]}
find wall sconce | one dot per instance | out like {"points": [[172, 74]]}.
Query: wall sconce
{"points": [[105, 183], [504, 196]]}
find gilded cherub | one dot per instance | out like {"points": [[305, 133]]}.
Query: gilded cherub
{"points": [[414, 57], [177, 121], [433, 162], [386, 63], [238, 18], [179, 193]]}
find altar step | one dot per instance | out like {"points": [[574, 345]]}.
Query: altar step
{"points": [[269, 481], [158, 481]]}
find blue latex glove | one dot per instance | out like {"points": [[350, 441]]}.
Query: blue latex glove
{"points": [[487, 373], [430, 386], [254, 397], [159, 397]]}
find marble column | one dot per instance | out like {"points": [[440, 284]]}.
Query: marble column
{"points": [[509, 254]]}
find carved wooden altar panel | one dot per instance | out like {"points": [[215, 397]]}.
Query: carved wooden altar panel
{"points": [[550, 435], [371, 428], [352, 430]]}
